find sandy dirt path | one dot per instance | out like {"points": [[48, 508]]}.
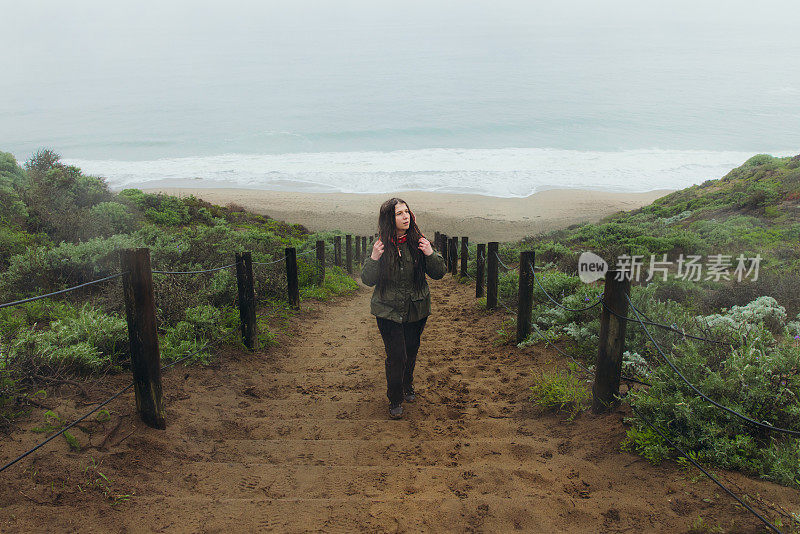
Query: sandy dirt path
{"points": [[296, 439]]}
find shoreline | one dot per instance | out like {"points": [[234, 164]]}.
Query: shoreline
{"points": [[479, 217]]}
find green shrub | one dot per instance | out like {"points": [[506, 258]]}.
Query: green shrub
{"points": [[10, 171], [508, 287], [109, 218], [13, 242], [507, 252], [44, 268], [550, 251], [170, 211], [547, 314], [222, 288], [134, 197], [41, 312], [89, 341], [337, 282], [757, 378], [560, 390], [206, 321], [306, 272], [556, 283], [45, 350], [201, 325], [759, 159], [646, 442], [586, 338], [12, 209], [763, 311], [181, 340], [58, 196], [759, 195], [51, 202], [675, 289]]}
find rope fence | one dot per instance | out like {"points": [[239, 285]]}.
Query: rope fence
{"points": [[554, 301], [555, 347], [706, 473], [700, 393], [671, 328], [61, 292], [215, 269], [112, 397], [607, 373], [138, 293], [506, 267]]}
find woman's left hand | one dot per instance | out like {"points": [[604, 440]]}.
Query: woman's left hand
{"points": [[425, 246]]}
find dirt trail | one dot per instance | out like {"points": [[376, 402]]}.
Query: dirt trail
{"points": [[296, 438]]}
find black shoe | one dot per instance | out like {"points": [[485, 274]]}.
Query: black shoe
{"points": [[409, 395], [396, 411]]}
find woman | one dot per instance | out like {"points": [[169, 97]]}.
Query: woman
{"points": [[401, 301]]}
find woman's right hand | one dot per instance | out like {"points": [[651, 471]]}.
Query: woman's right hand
{"points": [[377, 250]]}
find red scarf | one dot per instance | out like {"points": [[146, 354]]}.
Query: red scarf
{"points": [[398, 241]]}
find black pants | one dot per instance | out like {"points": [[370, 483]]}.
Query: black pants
{"points": [[402, 344]]}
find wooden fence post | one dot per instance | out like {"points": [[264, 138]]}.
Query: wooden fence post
{"points": [[491, 275], [140, 311], [292, 284], [444, 249], [358, 250], [349, 253], [363, 248], [608, 367], [525, 295], [453, 255], [320, 262], [337, 251], [436, 238], [247, 299], [464, 255], [480, 260]]}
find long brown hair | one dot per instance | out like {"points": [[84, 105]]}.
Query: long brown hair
{"points": [[387, 230]]}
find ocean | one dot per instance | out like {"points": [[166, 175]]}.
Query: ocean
{"points": [[502, 98]]}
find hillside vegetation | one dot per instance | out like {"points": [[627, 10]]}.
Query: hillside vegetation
{"points": [[754, 369], [60, 228]]}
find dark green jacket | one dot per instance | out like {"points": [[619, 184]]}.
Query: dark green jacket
{"points": [[402, 302]]}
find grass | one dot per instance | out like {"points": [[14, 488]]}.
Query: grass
{"points": [[336, 282], [560, 391]]}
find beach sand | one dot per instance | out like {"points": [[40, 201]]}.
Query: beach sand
{"points": [[481, 218]]}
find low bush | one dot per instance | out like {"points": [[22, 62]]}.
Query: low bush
{"points": [[201, 325], [560, 390], [758, 374], [760, 378], [336, 282], [87, 341]]}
